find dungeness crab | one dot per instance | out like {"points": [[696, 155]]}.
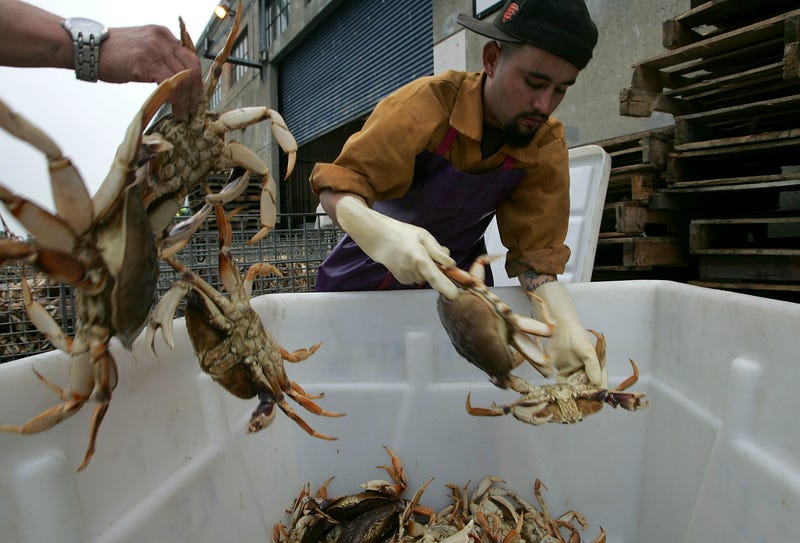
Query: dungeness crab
{"points": [[178, 154], [567, 402], [485, 331], [103, 246], [230, 340]]}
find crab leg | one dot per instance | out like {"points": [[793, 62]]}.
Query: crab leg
{"points": [[258, 270], [164, 314], [52, 416], [50, 231], [119, 175], [265, 412], [300, 354], [268, 210], [42, 320], [233, 189], [69, 192], [306, 402], [180, 234]]}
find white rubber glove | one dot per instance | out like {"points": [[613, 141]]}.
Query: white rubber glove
{"points": [[409, 252], [570, 348]]}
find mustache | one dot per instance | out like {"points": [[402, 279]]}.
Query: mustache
{"points": [[535, 114]]}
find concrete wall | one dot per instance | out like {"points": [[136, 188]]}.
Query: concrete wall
{"points": [[630, 31]]}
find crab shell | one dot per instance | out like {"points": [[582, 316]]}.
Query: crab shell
{"points": [[370, 516], [485, 331]]}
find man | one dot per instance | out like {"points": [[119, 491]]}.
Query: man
{"points": [[36, 38], [437, 158]]}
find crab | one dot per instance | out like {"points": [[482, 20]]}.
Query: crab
{"points": [[369, 516], [484, 329], [568, 402], [230, 340], [178, 154], [102, 246], [492, 513]]}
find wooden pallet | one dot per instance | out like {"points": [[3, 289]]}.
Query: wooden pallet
{"points": [[766, 157], [774, 115], [634, 186], [756, 236], [635, 218], [637, 161], [737, 64], [712, 18], [629, 253]]}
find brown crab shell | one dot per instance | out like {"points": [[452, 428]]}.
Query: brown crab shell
{"points": [[479, 333], [213, 349]]}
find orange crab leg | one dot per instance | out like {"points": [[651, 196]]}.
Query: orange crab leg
{"points": [[307, 403], [287, 409], [300, 354], [297, 388], [483, 411]]}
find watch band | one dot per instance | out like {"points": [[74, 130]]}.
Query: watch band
{"points": [[87, 35]]}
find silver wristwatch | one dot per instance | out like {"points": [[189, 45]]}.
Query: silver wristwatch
{"points": [[86, 37]]}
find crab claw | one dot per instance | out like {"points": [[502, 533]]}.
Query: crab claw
{"points": [[285, 139], [164, 314], [264, 413]]}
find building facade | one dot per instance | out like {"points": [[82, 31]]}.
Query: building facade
{"points": [[324, 64]]}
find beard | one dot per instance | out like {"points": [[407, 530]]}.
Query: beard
{"points": [[518, 135]]}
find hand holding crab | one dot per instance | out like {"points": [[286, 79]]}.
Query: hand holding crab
{"points": [[567, 402], [485, 331]]}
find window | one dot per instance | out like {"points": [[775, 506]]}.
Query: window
{"points": [[277, 19], [216, 97], [240, 50]]}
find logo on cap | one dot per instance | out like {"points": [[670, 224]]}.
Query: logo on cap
{"points": [[511, 11]]}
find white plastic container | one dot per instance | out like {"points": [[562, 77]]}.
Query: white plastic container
{"points": [[714, 457]]}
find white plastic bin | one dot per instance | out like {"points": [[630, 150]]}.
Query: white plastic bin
{"points": [[589, 171], [714, 457]]}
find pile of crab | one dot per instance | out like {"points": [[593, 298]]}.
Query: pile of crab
{"points": [[488, 513]]}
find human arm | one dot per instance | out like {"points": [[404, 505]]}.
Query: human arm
{"points": [[147, 54], [570, 348], [377, 163], [409, 252]]}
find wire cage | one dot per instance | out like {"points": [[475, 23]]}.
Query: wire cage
{"points": [[296, 249]]}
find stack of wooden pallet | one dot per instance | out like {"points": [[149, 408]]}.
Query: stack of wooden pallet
{"points": [[731, 79], [636, 240]]}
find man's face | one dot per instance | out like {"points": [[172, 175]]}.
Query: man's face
{"points": [[524, 85]]}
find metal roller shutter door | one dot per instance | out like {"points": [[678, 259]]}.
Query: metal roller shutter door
{"points": [[358, 55]]}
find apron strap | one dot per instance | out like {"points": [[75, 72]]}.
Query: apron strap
{"points": [[450, 137], [448, 140]]}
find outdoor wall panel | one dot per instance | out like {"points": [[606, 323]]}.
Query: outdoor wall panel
{"points": [[359, 54]]}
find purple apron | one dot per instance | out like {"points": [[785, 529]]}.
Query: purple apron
{"points": [[455, 207]]}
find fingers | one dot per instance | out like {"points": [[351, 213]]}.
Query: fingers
{"points": [[439, 254], [189, 93], [152, 54], [439, 281], [597, 375], [431, 272]]}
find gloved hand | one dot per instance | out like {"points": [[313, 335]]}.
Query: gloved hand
{"points": [[569, 348], [409, 252]]}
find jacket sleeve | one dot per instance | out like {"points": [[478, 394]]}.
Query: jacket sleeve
{"points": [[533, 222]]}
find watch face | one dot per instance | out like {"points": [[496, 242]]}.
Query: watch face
{"points": [[86, 26]]}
